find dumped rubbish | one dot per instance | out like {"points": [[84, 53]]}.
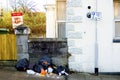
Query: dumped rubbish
{"points": [[22, 65], [43, 68], [30, 72], [61, 71], [37, 68]]}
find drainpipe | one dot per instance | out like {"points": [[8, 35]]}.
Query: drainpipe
{"points": [[96, 70]]}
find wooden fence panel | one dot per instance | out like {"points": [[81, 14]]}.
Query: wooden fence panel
{"points": [[8, 47]]}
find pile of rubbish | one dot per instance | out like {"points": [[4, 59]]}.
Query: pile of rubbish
{"points": [[44, 67]]}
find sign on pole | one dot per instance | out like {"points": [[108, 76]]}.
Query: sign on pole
{"points": [[96, 16], [17, 19]]}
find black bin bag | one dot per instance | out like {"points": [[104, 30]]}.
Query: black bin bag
{"points": [[22, 64]]}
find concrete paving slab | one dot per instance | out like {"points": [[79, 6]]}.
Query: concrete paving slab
{"points": [[12, 74]]}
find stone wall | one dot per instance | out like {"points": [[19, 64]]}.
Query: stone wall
{"points": [[22, 46], [52, 47]]}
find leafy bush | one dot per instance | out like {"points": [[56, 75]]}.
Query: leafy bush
{"points": [[36, 21]]}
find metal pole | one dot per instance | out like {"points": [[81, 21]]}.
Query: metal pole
{"points": [[96, 45], [96, 51]]}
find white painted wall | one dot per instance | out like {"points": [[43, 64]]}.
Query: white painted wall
{"points": [[83, 49], [81, 35], [50, 1], [116, 58]]}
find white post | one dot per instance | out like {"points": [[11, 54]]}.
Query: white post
{"points": [[50, 21], [96, 45]]}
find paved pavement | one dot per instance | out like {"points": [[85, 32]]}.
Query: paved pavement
{"points": [[8, 73]]}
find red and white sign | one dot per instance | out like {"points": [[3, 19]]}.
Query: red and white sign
{"points": [[17, 19]]}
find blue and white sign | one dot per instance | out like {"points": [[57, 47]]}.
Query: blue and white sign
{"points": [[96, 16]]}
